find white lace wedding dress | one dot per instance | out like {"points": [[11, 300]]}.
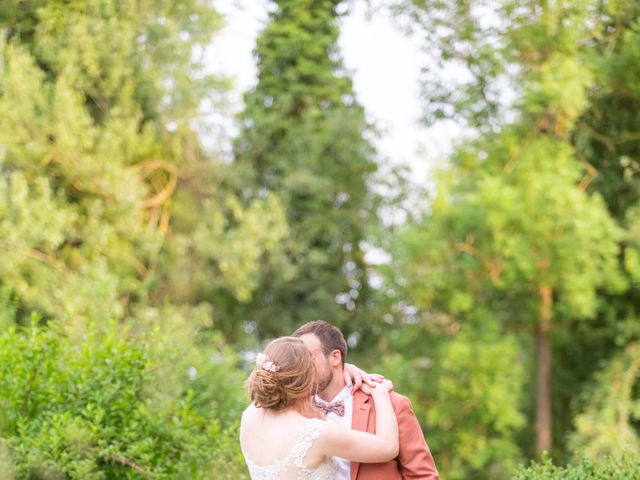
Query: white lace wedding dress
{"points": [[292, 467]]}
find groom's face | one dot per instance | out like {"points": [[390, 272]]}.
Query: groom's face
{"points": [[321, 362]]}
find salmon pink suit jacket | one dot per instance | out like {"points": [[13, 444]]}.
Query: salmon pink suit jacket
{"points": [[414, 460]]}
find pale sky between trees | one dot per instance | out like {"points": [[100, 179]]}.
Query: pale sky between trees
{"points": [[384, 64]]}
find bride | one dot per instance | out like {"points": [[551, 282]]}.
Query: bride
{"points": [[282, 437]]}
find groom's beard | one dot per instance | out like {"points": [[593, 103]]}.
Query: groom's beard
{"points": [[324, 381]]}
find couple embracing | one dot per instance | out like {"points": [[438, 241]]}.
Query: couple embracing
{"points": [[306, 422]]}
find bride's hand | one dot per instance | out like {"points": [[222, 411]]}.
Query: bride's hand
{"points": [[359, 378], [388, 384]]}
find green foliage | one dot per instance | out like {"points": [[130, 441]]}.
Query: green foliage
{"points": [[110, 210], [475, 407], [104, 184], [303, 139], [217, 252], [624, 467], [513, 223], [467, 388], [228, 463], [606, 423], [74, 136], [8, 309], [117, 223], [606, 136], [499, 229], [99, 408], [519, 236], [5, 464]]}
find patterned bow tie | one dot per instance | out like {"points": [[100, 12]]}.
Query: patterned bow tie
{"points": [[335, 407]]}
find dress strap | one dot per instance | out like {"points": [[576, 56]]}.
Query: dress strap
{"points": [[311, 432]]}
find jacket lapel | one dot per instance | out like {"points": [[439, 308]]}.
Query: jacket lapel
{"points": [[359, 421]]}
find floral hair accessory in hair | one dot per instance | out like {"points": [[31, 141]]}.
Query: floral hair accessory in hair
{"points": [[264, 362]]}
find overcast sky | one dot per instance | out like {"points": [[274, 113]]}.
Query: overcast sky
{"points": [[384, 64]]}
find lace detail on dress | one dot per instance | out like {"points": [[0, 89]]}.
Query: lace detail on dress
{"points": [[294, 460]]}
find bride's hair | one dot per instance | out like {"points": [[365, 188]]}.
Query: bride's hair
{"points": [[291, 381]]}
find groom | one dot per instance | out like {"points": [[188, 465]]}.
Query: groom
{"points": [[329, 350]]}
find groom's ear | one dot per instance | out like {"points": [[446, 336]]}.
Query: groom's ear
{"points": [[335, 358]]}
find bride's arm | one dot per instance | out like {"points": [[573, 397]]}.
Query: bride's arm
{"points": [[361, 446]]}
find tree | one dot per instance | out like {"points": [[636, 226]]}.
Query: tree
{"points": [[511, 221], [304, 139], [101, 167], [514, 228]]}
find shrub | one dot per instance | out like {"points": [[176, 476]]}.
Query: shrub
{"points": [[89, 409], [624, 467]]}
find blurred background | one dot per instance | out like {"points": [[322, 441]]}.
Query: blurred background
{"points": [[453, 183]]}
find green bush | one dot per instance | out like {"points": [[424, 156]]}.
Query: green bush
{"points": [[612, 468], [97, 408]]}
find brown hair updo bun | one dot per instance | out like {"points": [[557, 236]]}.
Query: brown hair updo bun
{"points": [[295, 379]]}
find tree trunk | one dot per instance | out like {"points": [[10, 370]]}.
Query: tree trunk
{"points": [[543, 373]]}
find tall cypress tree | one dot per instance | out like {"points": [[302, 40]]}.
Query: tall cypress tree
{"points": [[303, 138]]}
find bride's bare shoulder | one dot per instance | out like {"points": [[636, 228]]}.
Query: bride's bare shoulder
{"points": [[250, 413]]}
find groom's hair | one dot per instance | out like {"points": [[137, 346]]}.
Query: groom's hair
{"points": [[329, 335]]}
